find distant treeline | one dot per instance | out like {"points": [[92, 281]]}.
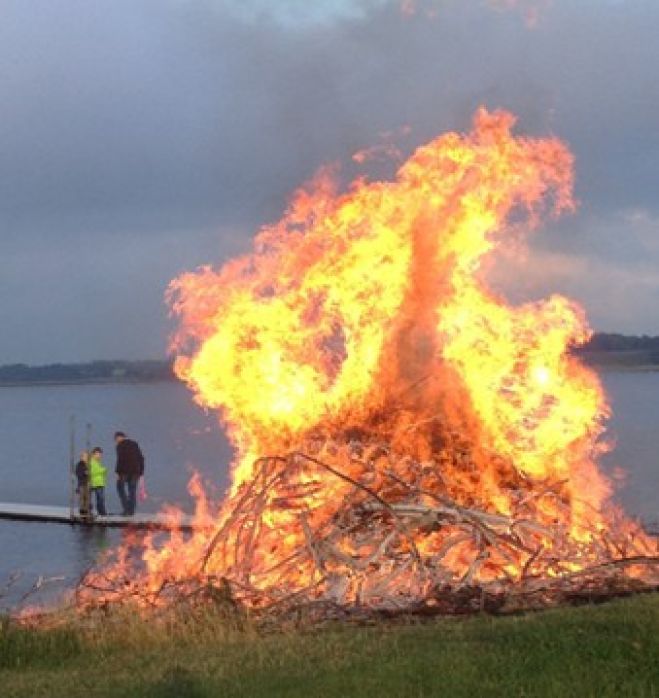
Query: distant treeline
{"points": [[92, 372], [604, 349], [619, 350], [602, 341]]}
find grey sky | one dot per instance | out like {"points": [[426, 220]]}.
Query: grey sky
{"points": [[139, 138]]}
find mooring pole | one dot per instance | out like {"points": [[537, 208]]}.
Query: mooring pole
{"points": [[88, 448], [72, 459]]}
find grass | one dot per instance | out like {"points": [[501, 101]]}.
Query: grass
{"points": [[606, 650]]}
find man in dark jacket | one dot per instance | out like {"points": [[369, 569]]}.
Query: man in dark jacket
{"points": [[130, 468]]}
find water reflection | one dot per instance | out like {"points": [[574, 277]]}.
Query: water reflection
{"points": [[52, 557], [91, 543]]}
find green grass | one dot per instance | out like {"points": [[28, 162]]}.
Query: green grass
{"points": [[607, 650]]}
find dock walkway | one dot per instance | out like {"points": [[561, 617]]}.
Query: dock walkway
{"points": [[53, 514]]}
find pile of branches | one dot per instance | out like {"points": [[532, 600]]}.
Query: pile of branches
{"points": [[348, 530]]}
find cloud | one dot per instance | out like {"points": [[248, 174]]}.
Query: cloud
{"points": [[606, 263], [132, 123]]}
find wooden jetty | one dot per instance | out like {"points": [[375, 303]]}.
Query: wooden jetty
{"points": [[53, 514]]}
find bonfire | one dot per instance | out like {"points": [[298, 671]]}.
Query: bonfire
{"points": [[407, 441]]}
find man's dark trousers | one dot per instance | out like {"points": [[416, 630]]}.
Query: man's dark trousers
{"points": [[127, 491]]}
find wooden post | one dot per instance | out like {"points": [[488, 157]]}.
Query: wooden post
{"points": [[72, 461], [88, 448]]}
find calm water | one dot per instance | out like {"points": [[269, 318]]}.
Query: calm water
{"points": [[178, 437]]}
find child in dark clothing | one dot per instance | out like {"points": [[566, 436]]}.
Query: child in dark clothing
{"points": [[82, 475]]}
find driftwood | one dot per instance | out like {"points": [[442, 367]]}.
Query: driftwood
{"points": [[17, 602], [305, 537]]}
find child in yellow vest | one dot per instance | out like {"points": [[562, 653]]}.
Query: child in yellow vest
{"points": [[97, 479]]}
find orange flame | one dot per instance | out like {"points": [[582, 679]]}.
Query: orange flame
{"points": [[367, 315], [350, 298]]}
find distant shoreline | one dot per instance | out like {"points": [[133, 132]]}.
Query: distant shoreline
{"points": [[91, 381], [617, 368], [91, 373], [599, 363], [604, 351]]}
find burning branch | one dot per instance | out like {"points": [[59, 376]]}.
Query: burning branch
{"points": [[373, 555]]}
